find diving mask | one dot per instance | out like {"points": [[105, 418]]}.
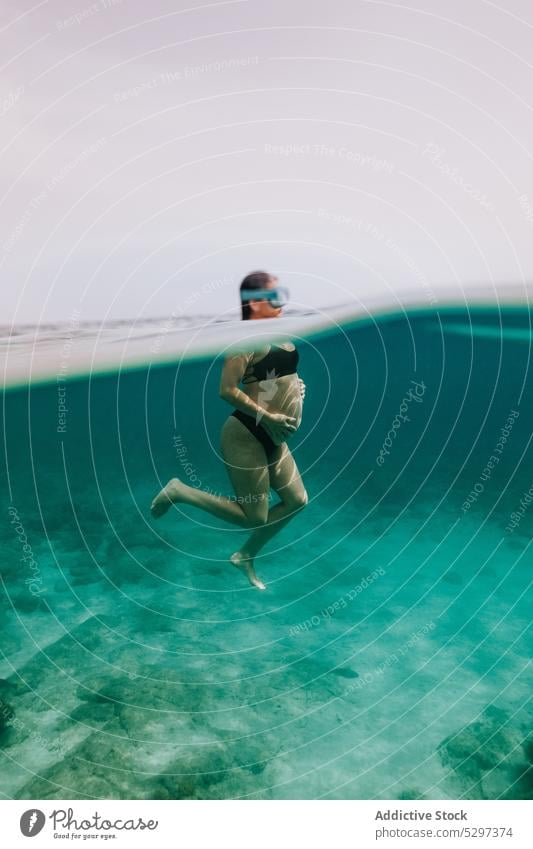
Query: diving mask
{"points": [[278, 296]]}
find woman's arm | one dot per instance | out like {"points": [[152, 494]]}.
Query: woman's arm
{"points": [[232, 373], [277, 425]]}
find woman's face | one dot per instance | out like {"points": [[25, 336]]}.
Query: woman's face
{"points": [[264, 308]]}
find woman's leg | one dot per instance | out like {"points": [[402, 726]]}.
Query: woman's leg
{"points": [[218, 505], [246, 462], [286, 481], [247, 467]]}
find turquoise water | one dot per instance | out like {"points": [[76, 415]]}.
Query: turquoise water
{"points": [[388, 657]]}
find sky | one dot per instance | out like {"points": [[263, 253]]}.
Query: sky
{"points": [[151, 155]]}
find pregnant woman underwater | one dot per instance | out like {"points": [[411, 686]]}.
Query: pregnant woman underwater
{"points": [[254, 437]]}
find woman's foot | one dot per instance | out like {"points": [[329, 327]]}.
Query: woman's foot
{"points": [[170, 493], [246, 566]]}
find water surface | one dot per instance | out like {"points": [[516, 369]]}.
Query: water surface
{"points": [[388, 657]]}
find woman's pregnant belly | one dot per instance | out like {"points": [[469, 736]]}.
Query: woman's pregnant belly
{"points": [[279, 395]]}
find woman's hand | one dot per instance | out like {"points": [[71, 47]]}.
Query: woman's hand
{"points": [[278, 426], [302, 387]]}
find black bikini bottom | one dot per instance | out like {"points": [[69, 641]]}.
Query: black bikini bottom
{"points": [[256, 430]]}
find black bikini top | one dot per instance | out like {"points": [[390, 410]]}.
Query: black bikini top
{"points": [[277, 363]]}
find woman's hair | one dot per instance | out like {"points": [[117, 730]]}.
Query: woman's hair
{"points": [[255, 280]]}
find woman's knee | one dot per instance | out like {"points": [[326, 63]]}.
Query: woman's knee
{"points": [[298, 500], [256, 513], [256, 520]]}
